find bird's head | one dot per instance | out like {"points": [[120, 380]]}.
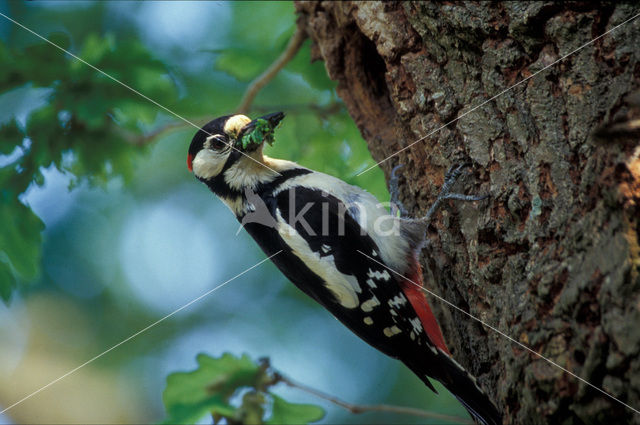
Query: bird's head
{"points": [[225, 139]]}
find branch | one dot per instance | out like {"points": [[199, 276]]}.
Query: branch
{"points": [[361, 408], [146, 138], [323, 111], [263, 79]]}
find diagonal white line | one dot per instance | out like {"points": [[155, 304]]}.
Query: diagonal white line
{"points": [[137, 333], [499, 94], [129, 87], [500, 332]]}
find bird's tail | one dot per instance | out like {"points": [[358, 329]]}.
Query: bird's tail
{"points": [[465, 388]]}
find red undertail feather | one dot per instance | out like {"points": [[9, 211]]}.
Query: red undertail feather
{"points": [[417, 298]]}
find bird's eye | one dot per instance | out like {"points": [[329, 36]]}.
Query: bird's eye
{"points": [[217, 141]]}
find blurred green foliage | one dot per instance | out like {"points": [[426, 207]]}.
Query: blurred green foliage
{"points": [[213, 388], [124, 157], [87, 127], [93, 127]]}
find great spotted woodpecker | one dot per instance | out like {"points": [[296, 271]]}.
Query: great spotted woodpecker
{"points": [[338, 245]]}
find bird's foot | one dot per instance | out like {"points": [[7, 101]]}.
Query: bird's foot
{"points": [[452, 176]]}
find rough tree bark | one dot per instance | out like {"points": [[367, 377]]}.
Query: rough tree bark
{"points": [[553, 258]]}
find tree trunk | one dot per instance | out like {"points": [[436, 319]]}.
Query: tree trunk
{"points": [[552, 259]]}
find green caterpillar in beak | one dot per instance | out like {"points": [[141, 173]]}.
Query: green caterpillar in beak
{"points": [[258, 131]]}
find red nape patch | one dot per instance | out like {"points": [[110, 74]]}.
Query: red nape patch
{"points": [[190, 162], [418, 300]]}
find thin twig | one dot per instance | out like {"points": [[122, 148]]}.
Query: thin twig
{"points": [[361, 408], [146, 138], [323, 111], [256, 85]]}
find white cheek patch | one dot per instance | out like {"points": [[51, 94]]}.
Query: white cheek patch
{"points": [[234, 124], [208, 163]]}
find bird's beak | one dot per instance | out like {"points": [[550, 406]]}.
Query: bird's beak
{"points": [[273, 120]]}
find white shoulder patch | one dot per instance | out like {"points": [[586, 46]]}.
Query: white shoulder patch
{"points": [[385, 230], [344, 287]]}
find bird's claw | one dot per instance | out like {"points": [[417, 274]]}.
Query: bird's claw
{"points": [[394, 171], [454, 172], [451, 177]]}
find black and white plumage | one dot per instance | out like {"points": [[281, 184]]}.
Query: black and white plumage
{"points": [[339, 246]]}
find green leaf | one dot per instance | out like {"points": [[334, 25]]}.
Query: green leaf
{"points": [[30, 63], [284, 412], [191, 395], [244, 63], [313, 73], [258, 41], [10, 137], [96, 48], [7, 281], [265, 25], [20, 238]]}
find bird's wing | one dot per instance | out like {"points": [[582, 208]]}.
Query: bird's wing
{"points": [[358, 290]]}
